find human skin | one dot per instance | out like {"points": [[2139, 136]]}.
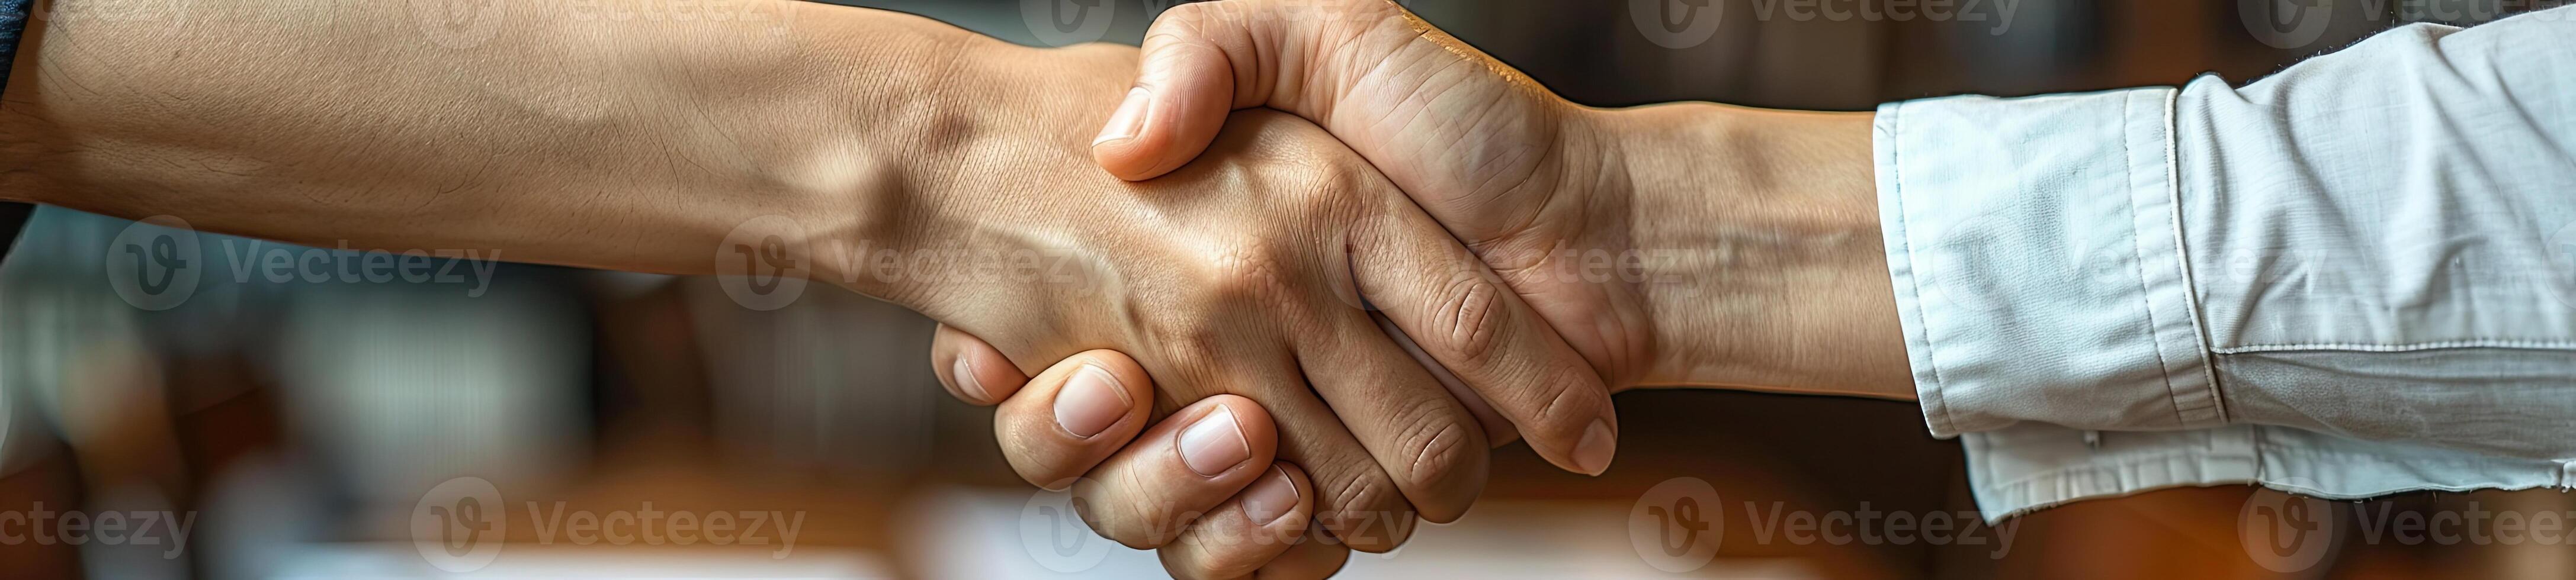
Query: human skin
{"points": [[1240, 530], [1759, 263], [544, 136]]}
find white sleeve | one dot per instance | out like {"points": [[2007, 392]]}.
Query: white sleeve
{"points": [[2377, 244]]}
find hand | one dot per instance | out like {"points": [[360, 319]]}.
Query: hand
{"points": [[1230, 527], [1687, 244], [1246, 274]]}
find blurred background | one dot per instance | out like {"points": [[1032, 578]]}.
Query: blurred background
{"points": [[331, 426]]}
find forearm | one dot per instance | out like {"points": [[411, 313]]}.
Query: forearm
{"points": [[1759, 234], [552, 136]]}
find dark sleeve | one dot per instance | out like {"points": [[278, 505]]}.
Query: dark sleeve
{"points": [[13, 22]]}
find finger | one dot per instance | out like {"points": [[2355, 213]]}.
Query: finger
{"points": [[1203, 59], [1184, 467], [1314, 557], [1181, 97], [1498, 431], [1250, 530], [1455, 309], [1073, 416], [1421, 437], [1355, 499], [1357, 502], [972, 369]]}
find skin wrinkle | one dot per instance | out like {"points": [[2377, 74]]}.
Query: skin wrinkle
{"points": [[1354, 520], [1470, 320], [1368, 76], [1547, 413], [1441, 443]]}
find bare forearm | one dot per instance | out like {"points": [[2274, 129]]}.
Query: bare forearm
{"points": [[540, 131], [1761, 234]]}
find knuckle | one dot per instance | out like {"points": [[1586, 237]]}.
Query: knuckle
{"points": [[1566, 412], [1363, 508], [1438, 446], [1470, 318]]}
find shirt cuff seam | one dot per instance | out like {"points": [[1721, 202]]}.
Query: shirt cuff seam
{"points": [[2182, 256], [1904, 271], [2154, 180]]}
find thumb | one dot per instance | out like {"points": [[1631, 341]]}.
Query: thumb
{"points": [[1201, 61]]}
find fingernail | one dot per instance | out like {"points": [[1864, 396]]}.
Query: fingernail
{"points": [[1271, 498], [1592, 455], [1130, 118], [1215, 444], [1090, 402], [967, 383]]}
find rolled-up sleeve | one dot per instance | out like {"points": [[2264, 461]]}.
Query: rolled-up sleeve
{"points": [[2355, 277], [2034, 246]]}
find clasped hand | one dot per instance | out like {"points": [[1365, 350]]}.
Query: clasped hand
{"points": [[1257, 277]]}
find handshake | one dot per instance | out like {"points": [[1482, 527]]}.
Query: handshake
{"points": [[1343, 255], [1336, 255]]}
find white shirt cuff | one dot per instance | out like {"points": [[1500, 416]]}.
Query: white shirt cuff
{"points": [[2038, 268]]}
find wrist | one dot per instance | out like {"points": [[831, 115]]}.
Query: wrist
{"points": [[989, 152], [1763, 262]]}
